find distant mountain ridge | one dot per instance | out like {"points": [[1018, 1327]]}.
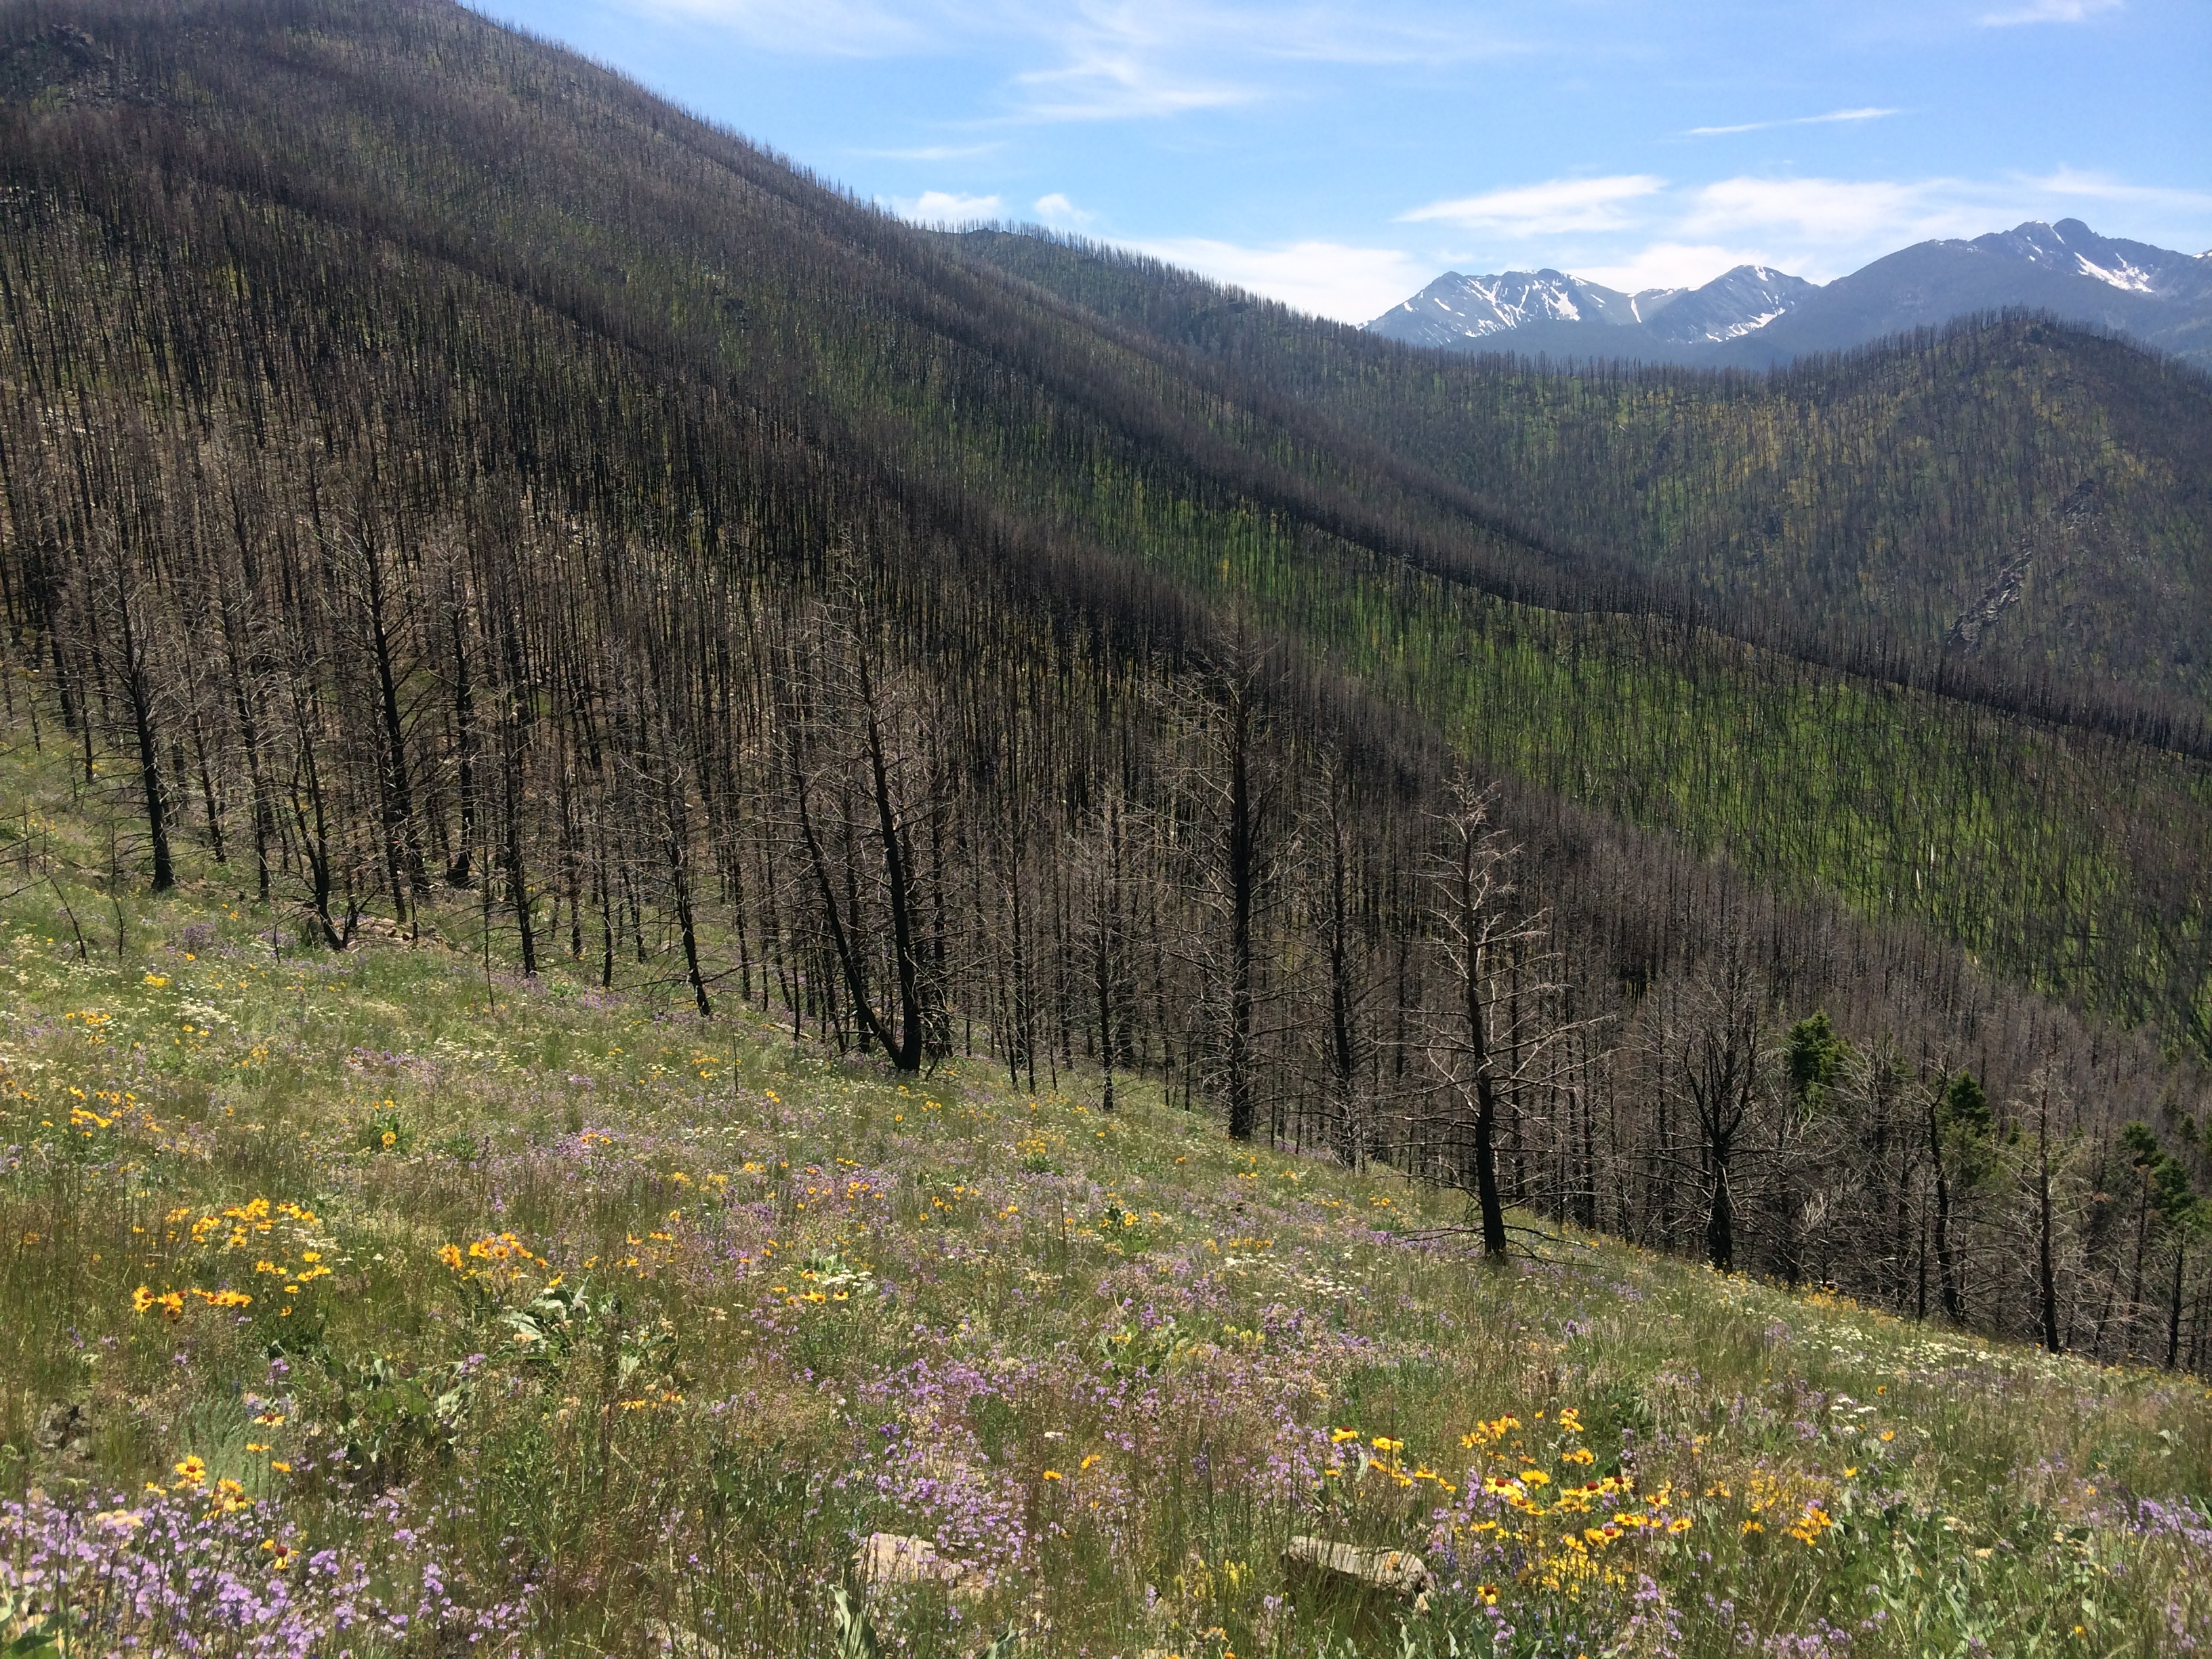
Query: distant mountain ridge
{"points": [[1454, 307], [1754, 316], [1455, 310]]}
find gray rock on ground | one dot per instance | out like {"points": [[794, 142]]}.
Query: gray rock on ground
{"points": [[891, 1558], [64, 1428], [1327, 1565]]}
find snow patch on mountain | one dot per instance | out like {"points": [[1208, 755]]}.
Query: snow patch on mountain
{"points": [[1457, 309], [2071, 247], [2124, 276], [1652, 301], [1734, 304]]}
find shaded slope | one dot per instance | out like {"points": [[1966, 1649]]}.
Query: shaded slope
{"points": [[1852, 508]]}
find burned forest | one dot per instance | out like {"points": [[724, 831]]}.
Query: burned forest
{"points": [[657, 591]]}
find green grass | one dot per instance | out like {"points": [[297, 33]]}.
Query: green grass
{"points": [[734, 1304]]}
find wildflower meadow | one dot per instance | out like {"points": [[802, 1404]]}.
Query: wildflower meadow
{"points": [[386, 1302]]}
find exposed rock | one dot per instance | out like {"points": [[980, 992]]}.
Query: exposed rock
{"points": [[62, 1428], [2083, 506], [1980, 618], [891, 1558], [674, 1642], [1329, 1567], [382, 930]]}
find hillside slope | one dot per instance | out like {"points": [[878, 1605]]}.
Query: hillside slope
{"points": [[1853, 507], [399, 1300], [580, 315], [432, 468]]}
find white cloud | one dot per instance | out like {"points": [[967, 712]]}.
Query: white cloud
{"points": [[1558, 207], [1099, 60], [1325, 279], [1630, 234], [1833, 116], [2049, 11], [830, 28], [1671, 265], [1124, 65], [945, 207], [1123, 59], [931, 153], [1822, 228], [2102, 187], [1836, 213], [1057, 210]]}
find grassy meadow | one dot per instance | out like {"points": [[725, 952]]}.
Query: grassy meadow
{"points": [[385, 1302]]}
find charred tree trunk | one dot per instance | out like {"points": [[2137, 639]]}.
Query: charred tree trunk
{"points": [[138, 694], [1946, 1275]]}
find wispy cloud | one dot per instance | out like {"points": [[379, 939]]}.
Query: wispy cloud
{"points": [[1834, 213], [825, 28], [2102, 187], [2049, 11], [930, 152], [1323, 279], [1134, 60], [1103, 60], [946, 207], [1671, 265], [1558, 207], [1106, 85], [1833, 116]]}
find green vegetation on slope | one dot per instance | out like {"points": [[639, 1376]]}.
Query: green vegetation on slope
{"points": [[2069, 860], [2046, 486]]}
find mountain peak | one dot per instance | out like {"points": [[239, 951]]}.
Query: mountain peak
{"points": [[2071, 247], [2066, 267], [1456, 310]]}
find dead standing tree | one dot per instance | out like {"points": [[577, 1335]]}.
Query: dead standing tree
{"points": [[1488, 1039], [1229, 791], [1347, 1037], [1101, 934], [1720, 1066], [853, 700], [657, 760]]}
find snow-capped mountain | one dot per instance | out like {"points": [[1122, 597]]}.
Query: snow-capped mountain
{"points": [[1549, 310], [1754, 315], [1456, 309], [2072, 247], [1736, 303]]}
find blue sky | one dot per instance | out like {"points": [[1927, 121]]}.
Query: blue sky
{"points": [[1340, 156]]}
